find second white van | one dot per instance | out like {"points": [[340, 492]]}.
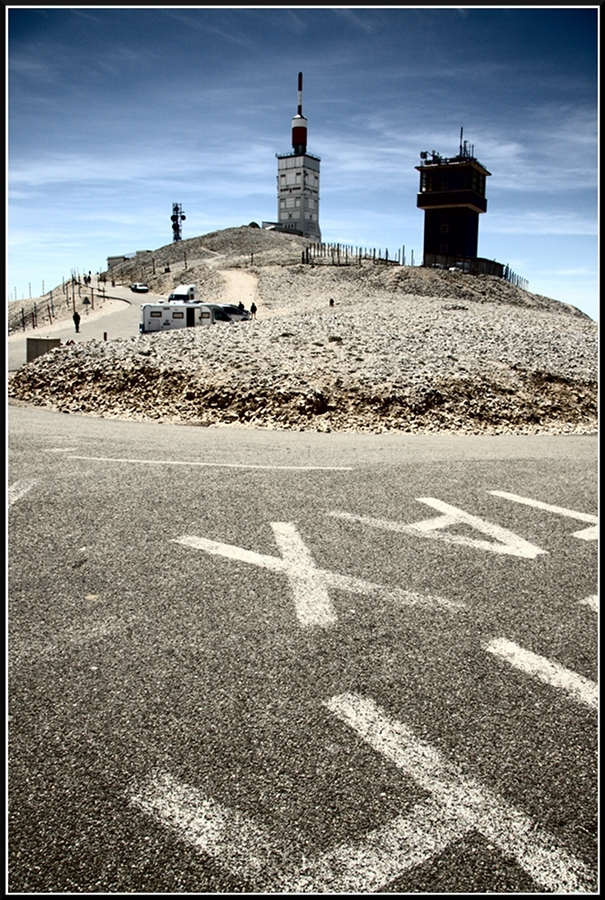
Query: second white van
{"points": [[183, 293]]}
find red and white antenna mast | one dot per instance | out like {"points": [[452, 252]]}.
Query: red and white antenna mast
{"points": [[299, 124]]}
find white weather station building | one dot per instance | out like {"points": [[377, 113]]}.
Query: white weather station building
{"points": [[298, 183]]}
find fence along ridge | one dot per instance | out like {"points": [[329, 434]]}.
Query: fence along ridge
{"points": [[349, 254]]}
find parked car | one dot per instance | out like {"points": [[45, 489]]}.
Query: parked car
{"points": [[219, 314], [139, 288], [235, 313]]}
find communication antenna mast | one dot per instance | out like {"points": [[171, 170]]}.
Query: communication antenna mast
{"points": [[176, 218], [467, 151]]}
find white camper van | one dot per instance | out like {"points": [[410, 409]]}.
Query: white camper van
{"points": [[183, 293], [168, 316]]}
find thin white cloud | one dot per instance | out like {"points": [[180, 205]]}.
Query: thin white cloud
{"points": [[359, 22], [535, 223], [203, 25], [582, 272]]}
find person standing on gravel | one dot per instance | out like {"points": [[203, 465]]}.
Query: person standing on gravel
{"points": [[76, 318], [253, 310]]}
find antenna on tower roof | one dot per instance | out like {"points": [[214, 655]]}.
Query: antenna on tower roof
{"points": [[299, 111]]}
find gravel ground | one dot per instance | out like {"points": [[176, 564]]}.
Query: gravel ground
{"points": [[402, 349]]}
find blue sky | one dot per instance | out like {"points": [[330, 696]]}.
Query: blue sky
{"points": [[115, 113]]}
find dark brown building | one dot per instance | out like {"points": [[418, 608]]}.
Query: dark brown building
{"points": [[452, 195]]}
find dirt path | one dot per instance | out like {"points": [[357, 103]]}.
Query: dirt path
{"points": [[238, 286]]}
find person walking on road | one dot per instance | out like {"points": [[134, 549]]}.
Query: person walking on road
{"points": [[76, 318]]}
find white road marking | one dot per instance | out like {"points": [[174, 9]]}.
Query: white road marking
{"points": [[380, 856], [248, 850], [60, 449], [456, 805], [183, 462], [224, 834], [592, 601], [586, 534], [311, 599], [578, 688], [514, 833], [309, 583], [503, 541], [19, 489]]}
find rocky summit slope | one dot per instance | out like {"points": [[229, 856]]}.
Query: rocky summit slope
{"points": [[401, 349]]}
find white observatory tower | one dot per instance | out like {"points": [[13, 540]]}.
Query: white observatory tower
{"points": [[298, 182]]}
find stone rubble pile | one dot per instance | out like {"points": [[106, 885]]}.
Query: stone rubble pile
{"points": [[382, 359], [304, 287]]}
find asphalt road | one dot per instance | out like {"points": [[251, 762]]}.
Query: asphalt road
{"points": [[116, 316], [266, 662]]}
